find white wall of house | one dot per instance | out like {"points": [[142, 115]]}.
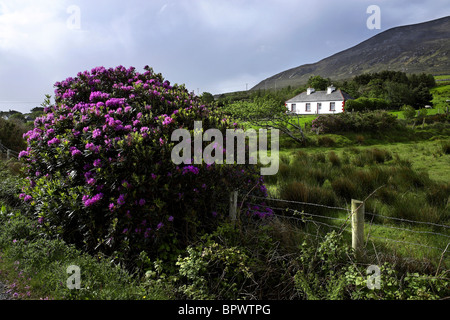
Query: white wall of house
{"points": [[325, 107]]}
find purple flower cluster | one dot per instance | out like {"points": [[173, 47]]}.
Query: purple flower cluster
{"points": [[107, 138], [96, 133], [87, 201], [191, 169], [167, 120], [25, 197], [74, 151], [53, 141], [121, 200], [261, 211], [98, 96]]}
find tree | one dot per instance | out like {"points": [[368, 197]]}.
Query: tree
{"points": [[421, 96], [17, 116], [426, 79], [266, 112], [37, 109], [318, 83], [375, 88], [408, 112], [207, 98], [398, 94]]}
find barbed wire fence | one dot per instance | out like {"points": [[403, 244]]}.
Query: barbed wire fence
{"points": [[288, 210]]}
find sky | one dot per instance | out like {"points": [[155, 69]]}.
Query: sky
{"points": [[211, 46]]}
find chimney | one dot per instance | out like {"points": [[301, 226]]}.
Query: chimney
{"points": [[309, 91], [330, 89]]}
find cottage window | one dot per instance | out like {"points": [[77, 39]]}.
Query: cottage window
{"points": [[332, 106], [308, 107], [293, 107]]}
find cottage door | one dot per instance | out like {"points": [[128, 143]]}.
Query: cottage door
{"points": [[319, 107]]}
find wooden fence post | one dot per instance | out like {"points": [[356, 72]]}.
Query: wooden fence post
{"points": [[8, 154], [358, 226], [233, 205]]}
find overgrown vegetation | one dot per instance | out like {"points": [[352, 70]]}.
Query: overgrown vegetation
{"points": [[269, 260], [375, 121], [396, 165], [11, 132]]}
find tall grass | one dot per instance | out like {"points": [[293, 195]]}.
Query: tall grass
{"points": [[330, 179]]}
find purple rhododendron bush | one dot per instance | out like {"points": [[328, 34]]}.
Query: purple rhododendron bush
{"points": [[99, 167]]}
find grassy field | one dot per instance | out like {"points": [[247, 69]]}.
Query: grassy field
{"points": [[412, 168], [403, 176]]}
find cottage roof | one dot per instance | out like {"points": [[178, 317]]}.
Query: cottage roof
{"points": [[317, 96]]}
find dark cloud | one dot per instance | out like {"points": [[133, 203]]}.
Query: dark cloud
{"points": [[210, 45]]}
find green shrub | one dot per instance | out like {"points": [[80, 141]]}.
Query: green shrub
{"points": [[10, 185], [366, 104], [354, 105], [212, 271], [11, 132], [259, 108], [437, 118], [422, 113], [408, 112], [373, 121], [322, 269], [396, 286], [15, 227]]}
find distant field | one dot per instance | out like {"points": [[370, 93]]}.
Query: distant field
{"points": [[442, 77], [430, 112], [440, 96]]}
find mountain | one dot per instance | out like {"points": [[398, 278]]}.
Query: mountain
{"points": [[417, 48]]}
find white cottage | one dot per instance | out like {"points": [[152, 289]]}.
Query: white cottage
{"points": [[318, 102]]}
